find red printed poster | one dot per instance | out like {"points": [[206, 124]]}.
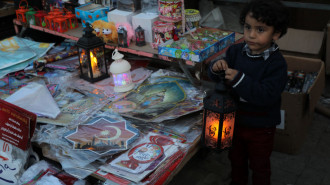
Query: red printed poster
{"points": [[16, 125]]}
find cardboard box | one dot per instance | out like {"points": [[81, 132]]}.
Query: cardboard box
{"points": [[145, 21], [327, 56], [120, 16], [299, 108], [197, 55], [302, 43]]}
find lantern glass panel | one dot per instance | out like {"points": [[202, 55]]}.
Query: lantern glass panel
{"points": [[73, 22], [92, 62], [211, 121], [84, 66], [97, 60], [122, 79], [215, 122], [227, 130]]}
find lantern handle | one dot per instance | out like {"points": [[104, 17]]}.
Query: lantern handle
{"points": [[27, 4], [116, 55]]}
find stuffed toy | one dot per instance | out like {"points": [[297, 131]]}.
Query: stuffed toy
{"points": [[129, 30], [98, 26], [110, 32]]}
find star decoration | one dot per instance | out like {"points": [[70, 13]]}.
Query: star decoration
{"points": [[103, 136]]}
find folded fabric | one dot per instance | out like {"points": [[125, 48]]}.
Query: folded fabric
{"points": [[36, 98]]}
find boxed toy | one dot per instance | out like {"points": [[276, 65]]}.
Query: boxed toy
{"points": [[129, 5], [196, 50], [298, 108], [120, 16], [91, 12]]}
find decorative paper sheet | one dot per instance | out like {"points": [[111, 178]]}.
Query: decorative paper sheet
{"points": [[75, 107], [144, 157], [138, 76], [150, 101], [17, 53], [103, 136]]}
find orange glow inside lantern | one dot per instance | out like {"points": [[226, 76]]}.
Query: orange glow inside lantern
{"points": [[60, 24], [218, 119], [92, 62], [219, 129]]}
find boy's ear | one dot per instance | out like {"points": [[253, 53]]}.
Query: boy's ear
{"points": [[276, 36]]}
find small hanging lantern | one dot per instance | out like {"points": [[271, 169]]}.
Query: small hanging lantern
{"points": [[49, 19], [40, 18], [60, 24], [20, 12], [72, 20], [30, 18], [56, 12], [121, 74], [93, 66], [122, 37], [218, 118], [139, 35]]}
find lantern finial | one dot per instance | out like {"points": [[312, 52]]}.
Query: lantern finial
{"points": [[88, 31]]}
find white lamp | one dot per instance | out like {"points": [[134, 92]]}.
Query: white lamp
{"points": [[121, 74]]}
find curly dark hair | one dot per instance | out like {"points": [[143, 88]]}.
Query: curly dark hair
{"points": [[270, 12]]}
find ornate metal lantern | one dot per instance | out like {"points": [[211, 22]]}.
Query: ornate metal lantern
{"points": [[20, 12], [218, 118], [30, 16], [122, 37], [139, 35], [40, 18], [60, 24], [93, 65], [121, 74], [72, 20]]}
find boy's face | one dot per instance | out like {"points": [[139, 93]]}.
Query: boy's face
{"points": [[257, 35]]}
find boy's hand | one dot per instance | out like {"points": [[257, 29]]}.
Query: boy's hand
{"points": [[230, 74], [219, 65]]}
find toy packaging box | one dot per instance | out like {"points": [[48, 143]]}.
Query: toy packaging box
{"points": [[91, 12], [195, 50]]}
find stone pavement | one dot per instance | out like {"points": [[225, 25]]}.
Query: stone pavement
{"points": [[311, 166]]}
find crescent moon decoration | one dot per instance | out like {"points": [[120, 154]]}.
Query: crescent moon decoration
{"points": [[118, 133]]}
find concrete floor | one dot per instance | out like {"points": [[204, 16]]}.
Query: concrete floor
{"points": [[310, 166]]}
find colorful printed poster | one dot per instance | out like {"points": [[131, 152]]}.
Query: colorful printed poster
{"points": [[144, 157], [75, 107], [103, 135], [150, 101], [17, 53], [9, 168]]}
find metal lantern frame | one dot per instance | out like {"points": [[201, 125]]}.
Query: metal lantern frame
{"points": [[218, 118], [40, 18], [122, 37], [140, 36], [72, 20], [88, 43], [60, 24], [30, 16], [20, 12]]}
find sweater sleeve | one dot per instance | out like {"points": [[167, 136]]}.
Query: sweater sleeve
{"points": [[214, 75], [268, 90]]}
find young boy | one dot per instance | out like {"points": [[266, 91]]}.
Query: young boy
{"points": [[257, 72]]}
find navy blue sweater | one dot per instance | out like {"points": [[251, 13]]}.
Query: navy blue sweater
{"points": [[259, 85]]}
